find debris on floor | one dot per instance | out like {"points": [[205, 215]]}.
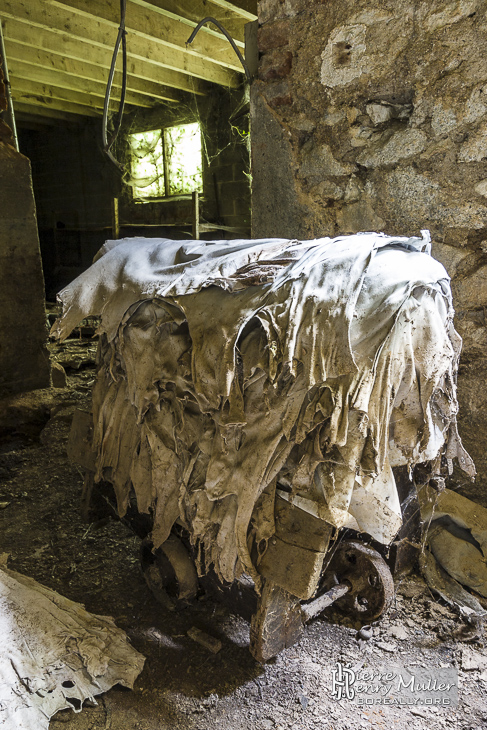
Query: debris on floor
{"points": [[58, 375], [55, 655], [184, 686], [209, 642]]}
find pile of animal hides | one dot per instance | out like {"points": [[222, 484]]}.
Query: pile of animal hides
{"points": [[55, 654], [227, 369]]}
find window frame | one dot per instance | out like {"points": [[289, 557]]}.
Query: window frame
{"points": [[167, 194]]}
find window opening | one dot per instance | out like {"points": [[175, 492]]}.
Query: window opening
{"points": [[167, 162]]}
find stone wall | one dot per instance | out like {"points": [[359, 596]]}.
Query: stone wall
{"points": [[372, 115], [24, 363]]}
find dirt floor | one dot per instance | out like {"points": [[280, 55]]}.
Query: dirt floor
{"points": [[183, 685]]}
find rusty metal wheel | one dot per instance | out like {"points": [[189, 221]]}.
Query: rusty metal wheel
{"points": [[371, 586], [169, 571]]}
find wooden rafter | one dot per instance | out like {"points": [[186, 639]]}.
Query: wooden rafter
{"points": [[46, 111], [192, 11], [61, 105], [23, 89], [66, 20], [60, 51], [149, 21], [31, 121], [196, 10], [160, 81], [79, 76]]}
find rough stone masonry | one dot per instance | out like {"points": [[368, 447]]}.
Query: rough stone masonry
{"points": [[372, 115]]}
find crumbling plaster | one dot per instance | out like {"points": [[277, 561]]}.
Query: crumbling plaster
{"points": [[371, 115]]}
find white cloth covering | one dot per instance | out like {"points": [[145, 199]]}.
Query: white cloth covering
{"points": [[227, 367]]}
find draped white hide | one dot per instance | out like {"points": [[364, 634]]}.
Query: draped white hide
{"points": [[228, 369]]}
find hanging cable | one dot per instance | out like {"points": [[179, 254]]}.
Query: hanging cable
{"points": [[229, 38], [121, 39]]}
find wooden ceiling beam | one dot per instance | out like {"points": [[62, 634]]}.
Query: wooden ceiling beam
{"points": [[71, 83], [196, 10], [246, 9], [44, 102], [154, 24], [28, 88], [62, 19], [23, 107], [159, 81], [28, 121], [180, 14], [232, 18], [45, 68]]}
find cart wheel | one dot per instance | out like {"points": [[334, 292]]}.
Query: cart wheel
{"points": [[169, 571], [371, 589]]}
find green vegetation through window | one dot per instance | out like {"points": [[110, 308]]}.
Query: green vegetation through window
{"points": [[166, 161]]}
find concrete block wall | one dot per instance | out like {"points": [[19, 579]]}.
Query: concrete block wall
{"points": [[371, 115]]}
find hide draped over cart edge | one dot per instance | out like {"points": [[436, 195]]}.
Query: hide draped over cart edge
{"points": [[258, 395]]}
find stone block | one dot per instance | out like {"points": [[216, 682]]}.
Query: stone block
{"points": [[242, 207], [275, 65], [401, 146], [379, 113], [236, 190], [481, 188], [225, 173], [474, 149], [273, 35], [58, 375], [471, 291], [327, 190], [319, 161], [359, 216], [277, 98]]}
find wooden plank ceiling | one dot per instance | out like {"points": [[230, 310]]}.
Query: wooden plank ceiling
{"points": [[59, 52]]}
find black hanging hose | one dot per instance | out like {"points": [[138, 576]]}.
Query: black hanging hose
{"points": [[229, 38], [121, 39]]}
